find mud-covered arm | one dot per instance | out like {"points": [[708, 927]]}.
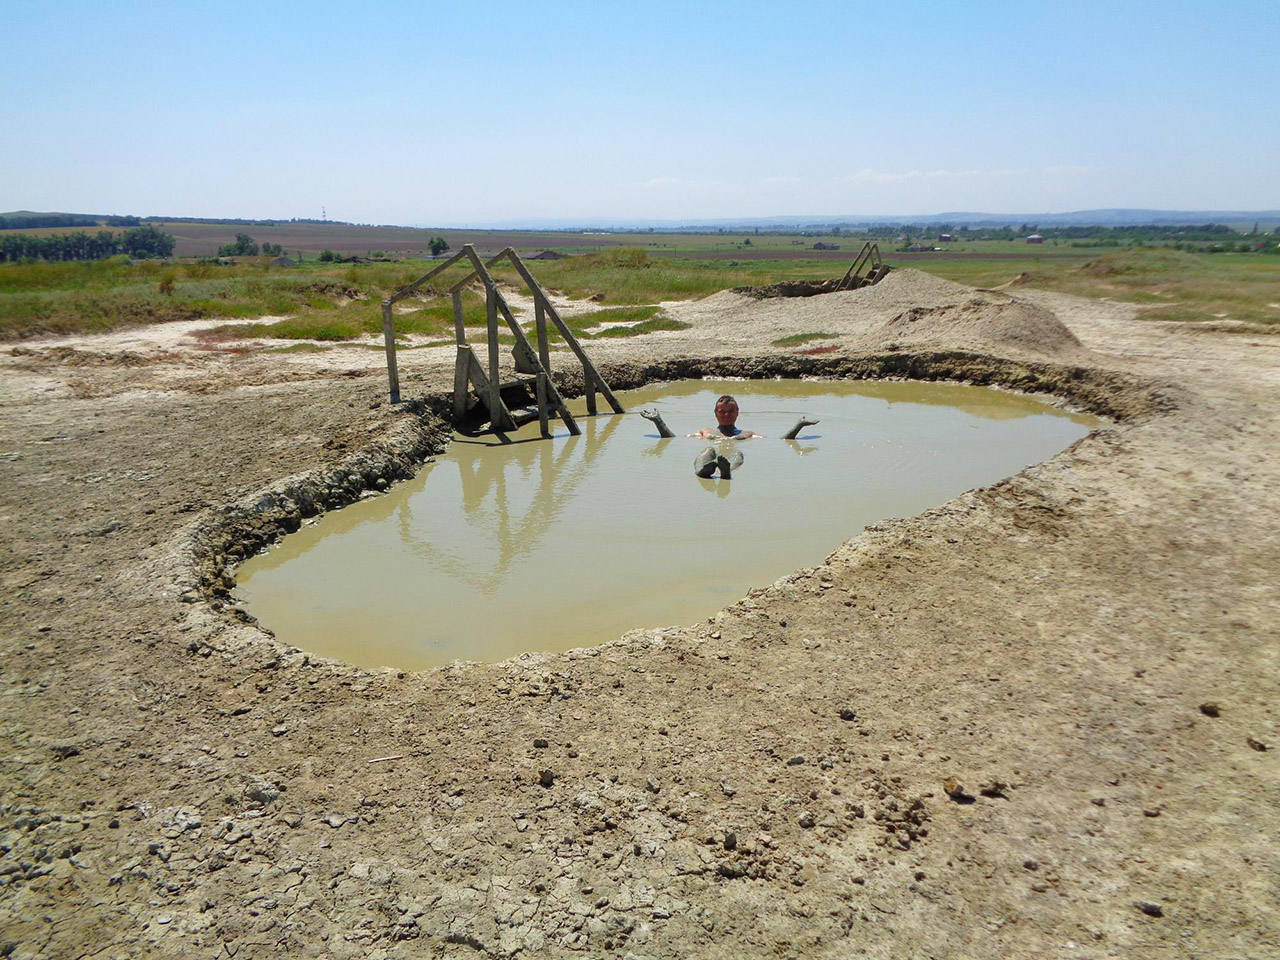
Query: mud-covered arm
{"points": [[800, 425], [654, 417]]}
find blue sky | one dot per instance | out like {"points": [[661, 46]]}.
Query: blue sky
{"points": [[471, 113]]}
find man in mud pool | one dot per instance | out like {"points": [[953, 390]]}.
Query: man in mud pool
{"points": [[711, 459]]}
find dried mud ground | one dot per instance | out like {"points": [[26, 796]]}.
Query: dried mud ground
{"points": [[989, 730]]}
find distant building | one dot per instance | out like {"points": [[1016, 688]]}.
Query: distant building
{"points": [[1035, 238], [945, 237]]}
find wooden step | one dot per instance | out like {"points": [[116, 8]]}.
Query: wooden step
{"points": [[522, 380]]}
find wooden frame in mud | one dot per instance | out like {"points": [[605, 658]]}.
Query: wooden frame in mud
{"points": [[532, 368]]}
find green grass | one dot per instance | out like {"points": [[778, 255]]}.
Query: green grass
{"points": [[300, 348], [342, 301], [796, 339], [640, 329], [432, 317]]}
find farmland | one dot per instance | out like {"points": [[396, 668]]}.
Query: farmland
{"points": [[337, 300]]}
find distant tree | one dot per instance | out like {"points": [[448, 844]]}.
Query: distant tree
{"points": [[746, 242], [245, 246], [327, 256], [437, 246]]}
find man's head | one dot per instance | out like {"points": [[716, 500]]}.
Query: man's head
{"points": [[726, 411]]}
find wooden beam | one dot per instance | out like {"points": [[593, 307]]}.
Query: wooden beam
{"points": [[467, 250], [389, 337]]}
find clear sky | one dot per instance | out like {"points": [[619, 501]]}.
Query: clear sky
{"points": [[437, 113]]}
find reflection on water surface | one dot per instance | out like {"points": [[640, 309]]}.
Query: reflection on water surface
{"points": [[545, 545]]}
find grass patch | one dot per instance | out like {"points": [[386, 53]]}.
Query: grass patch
{"points": [[796, 339], [640, 329], [639, 320], [351, 321], [1177, 315], [300, 348]]}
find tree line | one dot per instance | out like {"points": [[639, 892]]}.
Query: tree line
{"points": [[139, 243], [33, 221]]}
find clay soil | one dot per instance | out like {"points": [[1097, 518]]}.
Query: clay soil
{"points": [[1036, 721]]}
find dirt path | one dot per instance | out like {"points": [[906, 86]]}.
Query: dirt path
{"points": [[773, 782]]}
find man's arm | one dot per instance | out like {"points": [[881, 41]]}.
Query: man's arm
{"points": [[800, 425], [654, 417]]}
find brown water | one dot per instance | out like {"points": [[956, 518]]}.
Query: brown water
{"points": [[547, 545]]}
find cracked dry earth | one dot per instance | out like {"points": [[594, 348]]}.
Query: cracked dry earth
{"points": [[1038, 720]]}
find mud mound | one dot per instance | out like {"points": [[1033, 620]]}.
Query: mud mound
{"points": [[1021, 280], [790, 288], [983, 322], [74, 357], [908, 287]]}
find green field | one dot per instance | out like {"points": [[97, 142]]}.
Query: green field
{"points": [[340, 301]]}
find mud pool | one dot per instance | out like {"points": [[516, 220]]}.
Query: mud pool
{"points": [[496, 549]]}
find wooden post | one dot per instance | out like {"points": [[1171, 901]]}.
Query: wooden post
{"points": [[459, 327], [589, 385], [461, 381], [389, 335], [540, 328], [542, 405], [495, 384]]}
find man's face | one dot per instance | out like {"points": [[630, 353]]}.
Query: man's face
{"points": [[726, 413]]}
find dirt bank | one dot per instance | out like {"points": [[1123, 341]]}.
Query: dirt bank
{"points": [[977, 732]]}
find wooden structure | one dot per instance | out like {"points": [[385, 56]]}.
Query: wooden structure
{"points": [[868, 260], [532, 365]]}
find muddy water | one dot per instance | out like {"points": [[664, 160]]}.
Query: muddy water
{"points": [[546, 545]]}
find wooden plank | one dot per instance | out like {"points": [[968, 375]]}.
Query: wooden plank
{"points": [[389, 336], [589, 384]]}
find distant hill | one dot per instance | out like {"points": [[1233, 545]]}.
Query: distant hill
{"points": [[34, 220]]}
